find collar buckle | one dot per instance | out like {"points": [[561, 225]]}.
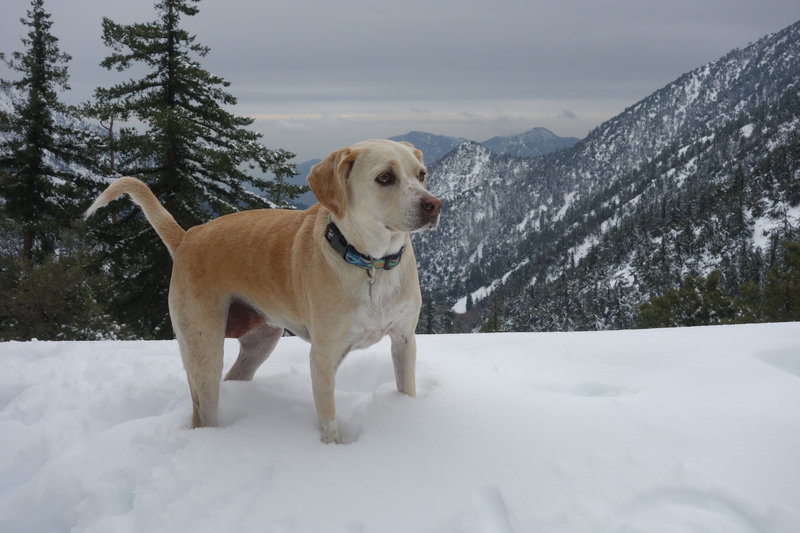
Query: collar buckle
{"points": [[352, 256]]}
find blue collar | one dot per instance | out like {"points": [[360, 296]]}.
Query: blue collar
{"points": [[356, 258]]}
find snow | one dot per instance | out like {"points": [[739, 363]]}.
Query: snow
{"points": [[707, 138], [460, 306], [631, 431], [568, 199], [477, 255], [481, 159], [747, 130], [623, 277], [785, 130], [533, 215], [7, 98], [766, 224], [581, 250]]}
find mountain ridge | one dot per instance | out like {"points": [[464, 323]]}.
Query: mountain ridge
{"points": [[534, 142], [527, 221], [531, 143]]}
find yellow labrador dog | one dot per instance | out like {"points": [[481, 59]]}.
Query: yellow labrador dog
{"points": [[341, 274]]}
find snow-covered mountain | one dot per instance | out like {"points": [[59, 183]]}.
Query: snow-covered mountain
{"points": [[660, 177], [532, 143], [8, 97]]}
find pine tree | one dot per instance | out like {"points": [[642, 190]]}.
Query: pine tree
{"points": [[55, 299], [717, 307], [659, 311], [427, 316], [41, 142], [108, 114], [748, 305], [494, 321], [782, 286], [197, 157]]}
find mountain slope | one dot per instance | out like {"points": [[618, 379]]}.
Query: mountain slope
{"points": [[510, 224]]}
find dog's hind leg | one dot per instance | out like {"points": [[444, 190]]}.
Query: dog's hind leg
{"points": [[202, 359], [254, 348], [199, 326]]}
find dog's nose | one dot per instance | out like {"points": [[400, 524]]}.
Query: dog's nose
{"points": [[431, 206]]}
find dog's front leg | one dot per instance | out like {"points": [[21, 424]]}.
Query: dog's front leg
{"points": [[323, 377], [404, 356]]}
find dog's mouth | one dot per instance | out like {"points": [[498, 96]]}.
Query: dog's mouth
{"points": [[427, 224], [416, 228]]}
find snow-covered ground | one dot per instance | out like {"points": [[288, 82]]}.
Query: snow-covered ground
{"points": [[636, 431]]}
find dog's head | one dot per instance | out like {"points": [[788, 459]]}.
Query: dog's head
{"points": [[377, 181]]}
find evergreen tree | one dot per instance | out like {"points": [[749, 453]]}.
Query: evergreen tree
{"points": [[108, 114], [428, 316], [717, 306], [698, 302], [197, 157], [703, 301], [782, 287], [749, 304], [55, 299], [41, 142], [493, 322], [658, 311]]}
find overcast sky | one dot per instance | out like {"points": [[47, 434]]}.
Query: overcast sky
{"points": [[321, 74]]}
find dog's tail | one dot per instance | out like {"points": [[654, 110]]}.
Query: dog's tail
{"points": [[161, 220]]}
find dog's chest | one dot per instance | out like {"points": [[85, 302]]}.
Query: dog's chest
{"points": [[380, 310]]}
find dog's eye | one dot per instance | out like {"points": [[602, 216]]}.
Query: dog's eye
{"points": [[387, 178], [422, 175]]}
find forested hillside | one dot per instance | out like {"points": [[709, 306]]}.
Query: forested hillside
{"points": [[701, 175]]}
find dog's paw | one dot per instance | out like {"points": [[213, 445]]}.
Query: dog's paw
{"points": [[330, 433]]}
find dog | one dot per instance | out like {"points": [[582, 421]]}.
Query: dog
{"points": [[341, 274]]}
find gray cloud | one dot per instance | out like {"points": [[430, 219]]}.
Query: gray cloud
{"points": [[371, 67]]}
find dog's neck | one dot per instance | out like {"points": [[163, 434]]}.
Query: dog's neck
{"points": [[374, 241]]}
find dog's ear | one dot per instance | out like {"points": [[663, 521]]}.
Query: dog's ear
{"points": [[417, 151], [328, 180]]}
